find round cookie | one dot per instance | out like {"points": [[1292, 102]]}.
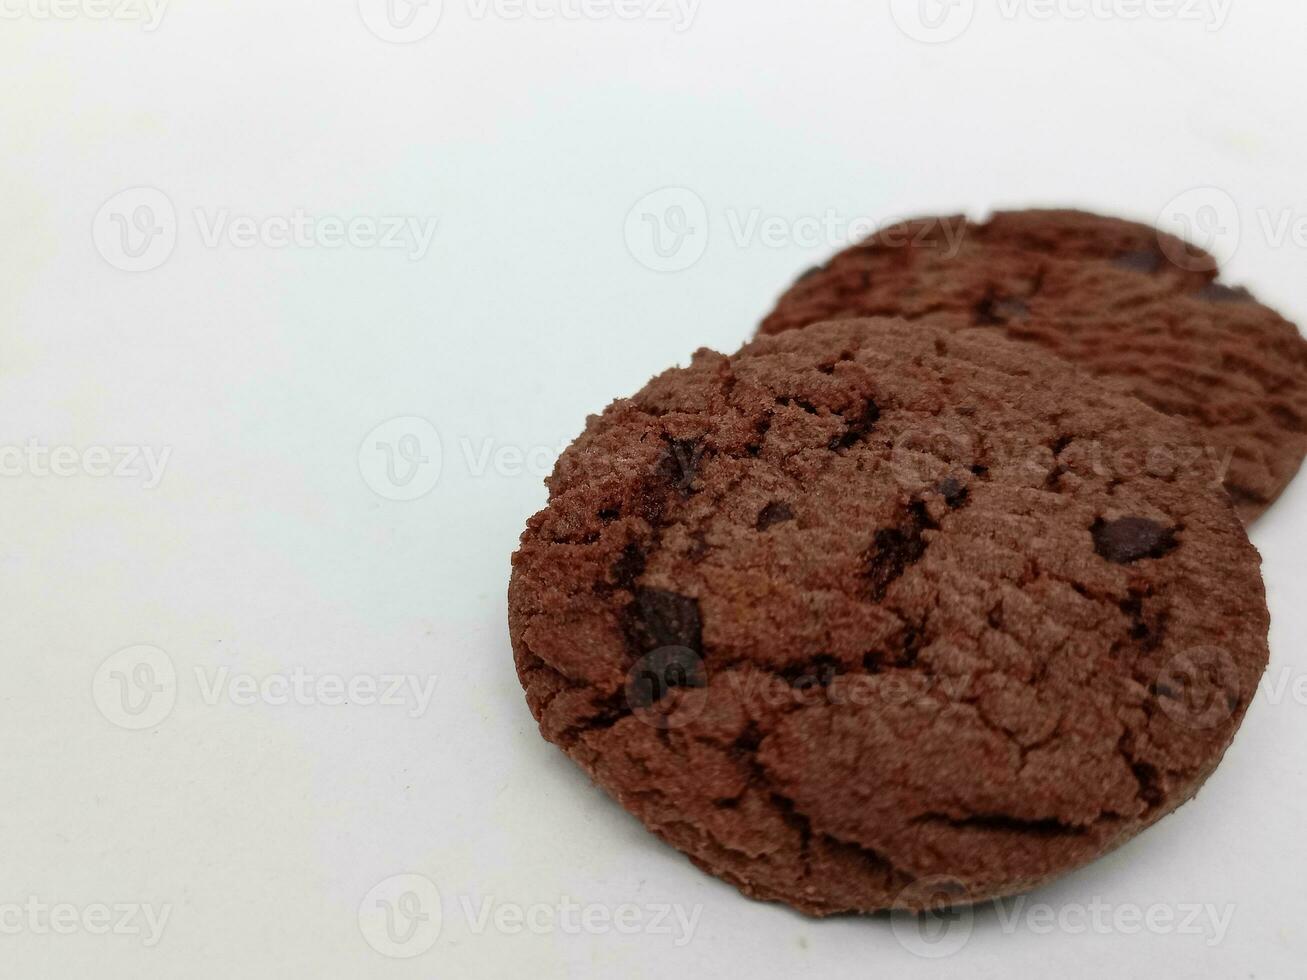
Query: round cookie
{"points": [[885, 615], [1130, 304]]}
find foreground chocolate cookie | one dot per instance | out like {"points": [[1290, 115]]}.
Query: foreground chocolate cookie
{"points": [[879, 614], [1134, 306]]}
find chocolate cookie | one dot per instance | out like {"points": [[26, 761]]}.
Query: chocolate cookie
{"points": [[878, 614], [1130, 304]]}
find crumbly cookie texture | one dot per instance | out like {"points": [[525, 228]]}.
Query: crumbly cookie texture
{"points": [[881, 614], [1136, 307]]}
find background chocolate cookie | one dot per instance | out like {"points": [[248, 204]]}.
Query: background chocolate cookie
{"points": [[879, 614], [1134, 306]]}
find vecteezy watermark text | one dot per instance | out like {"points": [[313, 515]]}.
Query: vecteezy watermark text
{"points": [[404, 916], [302, 687], [138, 687], [403, 459], [137, 230], [147, 13], [831, 229], [571, 918], [1211, 14], [299, 229], [669, 230], [941, 21], [1214, 221], [944, 932], [40, 918], [680, 14], [407, 21], [35, 459]]}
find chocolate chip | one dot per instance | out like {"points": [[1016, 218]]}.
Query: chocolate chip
{"points": [[863, 423], [655, 674], [1215, 292], [953, 491], [665, 619], [892, 551], [1147, 627], [1151, 784], [1146, 261], [909, 647], [629, 566], [777, 512], [1134, 609], [820, 672], [1128, 539], [984, 313]]}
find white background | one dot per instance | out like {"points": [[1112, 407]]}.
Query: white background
{"points": [[266, 547]]}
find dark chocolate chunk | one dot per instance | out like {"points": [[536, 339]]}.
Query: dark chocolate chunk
{"points": [[1216, 292], [660, 671], [1129, 539], [777, 512], [1141, 261], [666, 619]]}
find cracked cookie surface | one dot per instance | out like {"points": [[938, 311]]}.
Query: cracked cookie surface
{"points": [[1136, 307], [881, 614]]}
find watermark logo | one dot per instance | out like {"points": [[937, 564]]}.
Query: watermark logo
{"points": [[679, 13], [937, 458], [401, 21], [668, 687], [1204, 921], [833, 230], [147, 13], [136, 688], [571, 918], [136, 229], [1283, 226], [667, 231], [34, 459], [1212, 14], [402, 916], [401, 459], [1284, 685], [947, 929], [301, 230], [1204, 216], [1198, 688], [933, 21], [407, 21], [39, 918], [921, 457], [946, 923], [306, 689], [941, 21], [1211, 219]]}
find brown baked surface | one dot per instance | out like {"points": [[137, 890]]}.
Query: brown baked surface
{"points": [[877, 602], [1132, 305]]}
